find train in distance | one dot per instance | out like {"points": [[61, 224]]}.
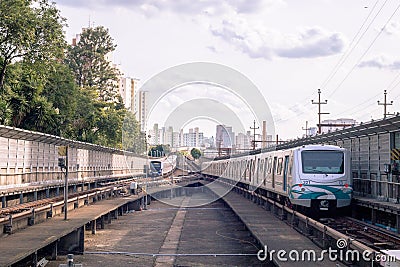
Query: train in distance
{"points": [[311, 177], [162, 166]]}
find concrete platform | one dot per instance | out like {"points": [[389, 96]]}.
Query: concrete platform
{"points": [[271, 231], [377, 204], [27, 242], [165, 235], [22, 244]]}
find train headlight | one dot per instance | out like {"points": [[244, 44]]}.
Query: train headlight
{"points": [[346, 189], [303, 189]]}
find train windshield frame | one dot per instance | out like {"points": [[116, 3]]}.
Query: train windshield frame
{"points": [[322, 161]]}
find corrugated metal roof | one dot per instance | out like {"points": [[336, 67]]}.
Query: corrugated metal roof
{"points": [[21, 134]]}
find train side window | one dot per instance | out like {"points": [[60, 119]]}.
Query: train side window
{"points": [[245, 169], [242, 168], [270, 165], [265, 170], [251, 169], [285, 172], [273, 172], [279, 167]]}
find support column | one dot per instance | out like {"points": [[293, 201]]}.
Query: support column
{"points": [[81, 237], [4, 202], [54, 251], [93, 225], [136, 205], [102, 222], [373, 216], [34, 259], [398, 223]]}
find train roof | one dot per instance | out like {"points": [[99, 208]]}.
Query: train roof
{"points": [[269, 149], [325, 147]]}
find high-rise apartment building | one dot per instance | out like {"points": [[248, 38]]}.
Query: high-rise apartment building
{"points": [[140, 108], [225, 137]]}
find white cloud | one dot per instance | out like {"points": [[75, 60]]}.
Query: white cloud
{"points": [[231, 21], [259, 42], [393, 28], [210, 7], [381, 62], [313, 42]]}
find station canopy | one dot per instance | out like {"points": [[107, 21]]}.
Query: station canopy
{"points": [[374, 127], [21, 134]]}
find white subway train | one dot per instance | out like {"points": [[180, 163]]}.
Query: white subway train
{"points": [[162, 166], [317, 177]]}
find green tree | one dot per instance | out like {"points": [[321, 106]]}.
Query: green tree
{"points": [[61, 91], [159, 151], [37, 98], [30, 30], [102, 113], [195, 152], [132, 139], [88, 61], [83, 124]]}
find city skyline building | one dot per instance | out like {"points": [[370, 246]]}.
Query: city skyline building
{"points": [[224, 137]]}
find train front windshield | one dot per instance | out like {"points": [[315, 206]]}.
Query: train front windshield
{"points": [[155, 165], [322, 161]]}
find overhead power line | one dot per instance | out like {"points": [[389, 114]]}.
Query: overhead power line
{"points": [[366, 51], [351, 48]]}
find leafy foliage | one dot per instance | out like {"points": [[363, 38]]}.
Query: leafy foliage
{"points": [[30, 30], [132, 139], [50, 87], [195, 152], [88, 60], [159, 151]]}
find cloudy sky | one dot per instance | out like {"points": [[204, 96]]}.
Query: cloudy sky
{"points": [[287, 48]]}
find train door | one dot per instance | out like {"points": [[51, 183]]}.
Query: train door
{"points": [[251, 169], [257, 171], [273, 171], [265, 171], [285, 172]]}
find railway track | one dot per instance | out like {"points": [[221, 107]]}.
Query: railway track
{"points": [[15, 209], [125, 183], [370, 235], [339, 234]]}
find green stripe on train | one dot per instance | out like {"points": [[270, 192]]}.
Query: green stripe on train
{"points": [[339, 194]]}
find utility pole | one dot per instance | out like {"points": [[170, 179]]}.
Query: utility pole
{"points": [[306, 129], [319, 103], [384, 104], [66, 185], [63, 164], [254, 134]]}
